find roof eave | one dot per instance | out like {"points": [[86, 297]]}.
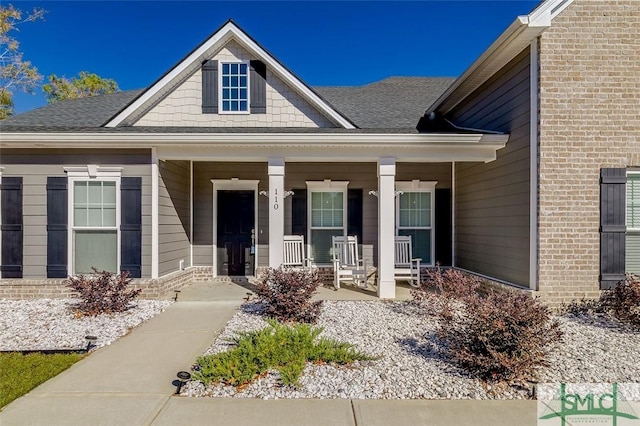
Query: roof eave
{"points": [[227, 31], [510, 43]]}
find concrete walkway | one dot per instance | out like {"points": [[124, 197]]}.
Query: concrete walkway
{"points": [[130, 383]]}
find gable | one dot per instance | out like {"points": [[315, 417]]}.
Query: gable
{"points": [[182, 107], [295, 104]]}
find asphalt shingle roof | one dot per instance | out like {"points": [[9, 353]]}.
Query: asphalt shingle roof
{"points": [[392, 105]]}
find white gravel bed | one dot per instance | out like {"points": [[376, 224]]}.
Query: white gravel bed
{"points": [[50, 324], [412, 365]]}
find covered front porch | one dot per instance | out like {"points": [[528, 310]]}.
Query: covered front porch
{"points": [[228, 207]]}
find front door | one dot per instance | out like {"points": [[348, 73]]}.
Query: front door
{"points": [[236, 219]]}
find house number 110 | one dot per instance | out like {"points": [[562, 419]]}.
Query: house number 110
{"points": [[275, 199]]}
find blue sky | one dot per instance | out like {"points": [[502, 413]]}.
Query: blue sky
{"points": [[325, 43]]}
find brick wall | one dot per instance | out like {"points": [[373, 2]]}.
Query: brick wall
{"points": [[56, 288], [589, 119]]}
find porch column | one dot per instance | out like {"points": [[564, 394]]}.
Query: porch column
{"points": [[386, 227], [276, 211]]}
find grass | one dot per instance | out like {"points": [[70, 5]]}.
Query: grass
{"points": [[21, 373], [284, 348]]}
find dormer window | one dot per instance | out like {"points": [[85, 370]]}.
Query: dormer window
{"points": [[234, 88]]}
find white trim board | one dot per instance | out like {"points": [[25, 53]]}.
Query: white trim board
{"points": [[232, 184], [215, 42]]}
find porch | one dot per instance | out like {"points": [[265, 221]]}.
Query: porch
{"points": [[228, 204]]}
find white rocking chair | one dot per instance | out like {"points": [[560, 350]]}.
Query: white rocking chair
{"points": [[406, 268], [294, 253], [347, 266]]}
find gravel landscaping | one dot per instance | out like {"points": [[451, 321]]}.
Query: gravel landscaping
{"points": [[51, 324], [412, 365]]}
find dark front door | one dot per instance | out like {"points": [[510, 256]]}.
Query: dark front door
{"points": [[235, 226]]}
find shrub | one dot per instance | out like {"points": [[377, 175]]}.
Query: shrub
{"points": [[623, 301], [444, 289], [102, 292], [287, 294], [497, 336], [284, 348]]}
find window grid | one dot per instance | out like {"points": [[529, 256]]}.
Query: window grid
{"points": [[414, 210], [327, 209], [414, 218], [234, 87], [633, 202], [83, 209]]}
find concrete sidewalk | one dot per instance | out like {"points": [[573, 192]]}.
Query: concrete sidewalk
{"points": [[130, 383]]}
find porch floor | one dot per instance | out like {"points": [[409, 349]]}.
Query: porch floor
{"points": [[230, 289]]}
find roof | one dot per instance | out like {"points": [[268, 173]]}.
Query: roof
{"points": [[193, 61], [392, 105]]}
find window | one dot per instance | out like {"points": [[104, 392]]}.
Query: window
{"points": [[327, 217], [234, 87], [632, 260], [414, 217], [94, 226], [94, 218]]}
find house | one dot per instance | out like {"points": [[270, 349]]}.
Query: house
{"points": [[520, 171]]}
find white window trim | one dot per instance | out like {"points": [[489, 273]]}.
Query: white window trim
{"points": [[419, 186], [96, 173], [326, 186], [220, 110], [626, 202]]}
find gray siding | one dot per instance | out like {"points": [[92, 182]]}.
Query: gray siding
{"points": [[492, 199], [364, 176], [173, 215], [359, 175], [36, 166]]}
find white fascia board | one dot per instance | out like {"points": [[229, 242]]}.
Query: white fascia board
{"points": [[283, 73], [148, 140], [176, 71], [221, 37], [511, 42]]}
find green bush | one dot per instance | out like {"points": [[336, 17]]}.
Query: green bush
{"points": [[496, 336], [284, 348], [287, 294]]}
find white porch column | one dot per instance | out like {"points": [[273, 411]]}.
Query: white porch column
{"points": [[276, 211], [386, 227], [155, 228]]}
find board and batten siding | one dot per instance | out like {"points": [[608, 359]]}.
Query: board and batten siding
{"points": [[492, 199], [36, 166], [173, 216]]}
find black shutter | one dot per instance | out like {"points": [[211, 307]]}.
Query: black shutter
{"points": [[354, 213], [442, 226], [12, 235], [131, 226], [299, 212], [210, 87], [612, 226], [57, 222], [258, 87]]}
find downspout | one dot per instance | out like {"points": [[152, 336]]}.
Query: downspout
{"points": [[534, 95]]}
